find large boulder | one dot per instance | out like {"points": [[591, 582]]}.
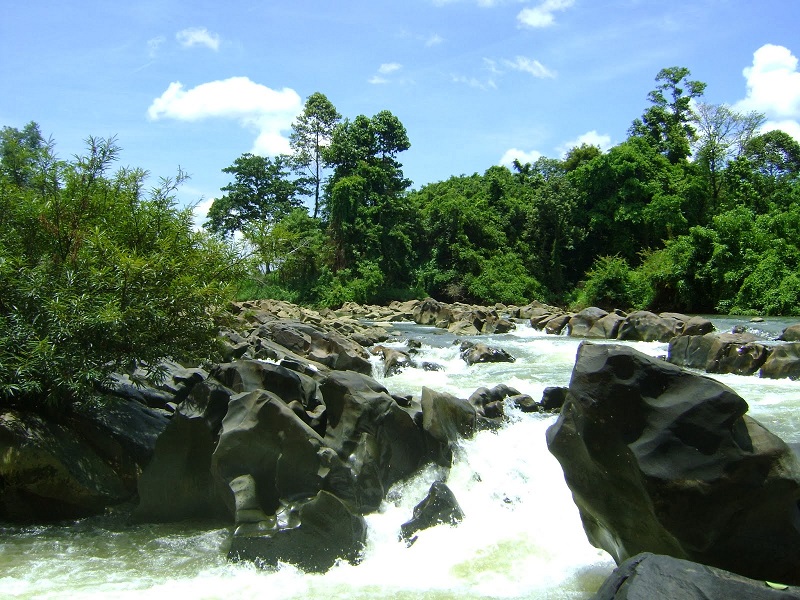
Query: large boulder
{"points": [[50, 473], [650, 576], [311, 534], [447, 418], [738, 353], [791, 333], [178, 483], [372, 434], [783, 362], [644, 326], [581, 323], [662, 460]]}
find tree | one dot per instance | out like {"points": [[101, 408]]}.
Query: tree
{"points": [[311, 133], [261, 191], [20, 152], [97, 276], [667, 124], [368, 219], [723, 134]]}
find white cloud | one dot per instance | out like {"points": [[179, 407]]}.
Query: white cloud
{"points": [[542, 15], [387, 68], [592, 138], [268, 111], [773, 88], [197, 36], [527, 65], [521, 155]]}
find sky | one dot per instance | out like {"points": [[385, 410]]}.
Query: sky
{"points": [[476, 83]]}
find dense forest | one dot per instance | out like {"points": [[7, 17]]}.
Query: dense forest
{"points": [[698, 210]]}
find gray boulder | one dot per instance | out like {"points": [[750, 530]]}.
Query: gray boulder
{"points": [[650, 576], [311, 534], [644, 326], [791, 333], [482, 353], [581, 323], [662, 460], [783, 362]]}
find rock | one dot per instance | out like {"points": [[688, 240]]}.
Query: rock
{"points": [[791, 333], [738, 353], [261, 436], [556, 325], [553, 399], [644, 326], [489, 402], [310, 534], [606, 327], [649, 576], [582, 322], [431, 312], [394, 360], [783, 362], [481, 353], [447, 418], [438, 507], [178, 484], [374, 435], [662, 460], [48, 473]]}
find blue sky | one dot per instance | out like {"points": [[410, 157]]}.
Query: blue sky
{"points": [[475, 82]]}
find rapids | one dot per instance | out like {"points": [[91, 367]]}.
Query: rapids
{"points": [[521, 536]]}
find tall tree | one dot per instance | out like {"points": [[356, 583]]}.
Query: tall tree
{"points": [[261, 191], [367, 219], [668, 124], [723, 134], [311, 132]]}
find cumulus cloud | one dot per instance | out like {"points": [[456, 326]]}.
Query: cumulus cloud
{"points": [[521, 155], [592, 138], [528, 65], [268, 111], [434, 40], [197, 36], [773, 88], [542, 15], [387, 68]]}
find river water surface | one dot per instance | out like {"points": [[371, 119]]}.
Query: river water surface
{"points": [[521, 536]]}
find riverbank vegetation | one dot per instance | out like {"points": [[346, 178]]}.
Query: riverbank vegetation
{"points": [[698, 211]]}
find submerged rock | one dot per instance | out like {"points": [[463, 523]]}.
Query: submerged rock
{"points": [[662, 460]]}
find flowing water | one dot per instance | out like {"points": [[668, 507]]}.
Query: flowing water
{"points": [[521, 536]]}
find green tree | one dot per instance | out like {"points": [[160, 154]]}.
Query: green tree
{"points": [[311, 133], [368, 217], [260, 192], [668, 124], [97, 275]]}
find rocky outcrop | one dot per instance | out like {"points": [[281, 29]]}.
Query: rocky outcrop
{"points": [[739, 353], [650, 576], [662, 460], [74, 466]]}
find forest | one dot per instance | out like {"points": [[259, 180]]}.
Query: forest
{"points": [[697, 211]]}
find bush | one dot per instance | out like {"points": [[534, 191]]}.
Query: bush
{"points": [[97, 277], [611, 283]]}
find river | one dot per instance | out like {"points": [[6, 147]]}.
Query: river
{"points": [[521, 536]]}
